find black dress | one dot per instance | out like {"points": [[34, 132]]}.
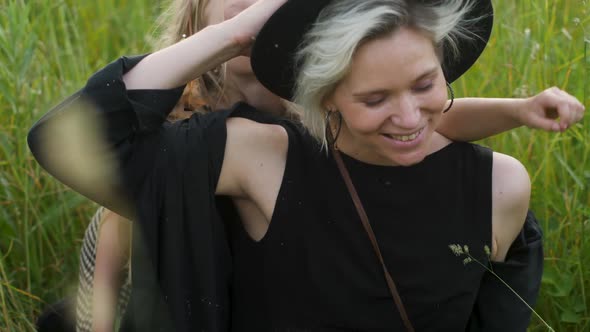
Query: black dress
{"points": [[314, 268]]}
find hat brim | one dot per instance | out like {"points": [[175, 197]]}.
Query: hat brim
{"points": [[272, 55]]}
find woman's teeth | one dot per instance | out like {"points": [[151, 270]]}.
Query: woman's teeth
{"points": [[405, 138]]}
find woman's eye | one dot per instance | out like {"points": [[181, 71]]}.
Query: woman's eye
{"points": [[423, 87], [373, 102]]}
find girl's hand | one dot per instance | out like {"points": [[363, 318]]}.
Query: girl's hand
{"points": [[246, 18], [542, 110]]}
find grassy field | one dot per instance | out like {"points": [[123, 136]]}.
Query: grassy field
{"points": [[49, 48]]}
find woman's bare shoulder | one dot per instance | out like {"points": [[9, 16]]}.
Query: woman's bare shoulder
{"points": [[511, 181], [250, 131], [252, 149], [511, 191]]}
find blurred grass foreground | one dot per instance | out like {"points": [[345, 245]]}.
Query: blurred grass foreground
{"points": [[49, 48]]}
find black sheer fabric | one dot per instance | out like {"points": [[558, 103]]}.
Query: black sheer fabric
{"points": [[181, 263]]}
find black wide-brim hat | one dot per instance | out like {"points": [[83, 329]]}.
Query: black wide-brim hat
{"points": [[273, 53]]}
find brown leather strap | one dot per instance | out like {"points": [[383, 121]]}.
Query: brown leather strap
{"points": [[365, 220]]}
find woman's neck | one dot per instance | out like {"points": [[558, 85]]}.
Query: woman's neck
{"points": [[246, 88]]}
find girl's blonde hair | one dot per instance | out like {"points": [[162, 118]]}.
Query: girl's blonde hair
{"points": [[180, 19]]}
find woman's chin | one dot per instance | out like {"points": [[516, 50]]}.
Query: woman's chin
{"points": [[406, 153], [409, 159]]}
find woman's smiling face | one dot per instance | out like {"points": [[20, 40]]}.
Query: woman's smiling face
{"points": [[392, 99]]}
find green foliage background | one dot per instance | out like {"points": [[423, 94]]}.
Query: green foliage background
{"points": [[49, 48]]}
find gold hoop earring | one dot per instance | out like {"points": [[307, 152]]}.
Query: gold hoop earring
{"points": [[328, 128], [452, 97]]}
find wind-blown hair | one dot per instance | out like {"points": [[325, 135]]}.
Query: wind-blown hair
{"points": [[325, 55]]}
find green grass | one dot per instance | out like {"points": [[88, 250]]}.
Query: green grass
{"points": [[48, 50], [540, 44]]}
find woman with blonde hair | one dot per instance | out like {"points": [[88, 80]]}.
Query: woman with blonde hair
{"points": [[548, 99]]}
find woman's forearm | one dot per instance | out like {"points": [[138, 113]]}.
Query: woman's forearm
{"points": [[472, 119], [184, 61]]}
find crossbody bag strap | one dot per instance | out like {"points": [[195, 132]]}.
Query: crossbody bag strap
{"points": [[365, 221]]}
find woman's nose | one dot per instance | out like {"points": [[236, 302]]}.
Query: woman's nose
{"points": [[406, 112]]}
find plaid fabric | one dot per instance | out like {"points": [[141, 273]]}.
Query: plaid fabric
{"points": [[86, 278]]}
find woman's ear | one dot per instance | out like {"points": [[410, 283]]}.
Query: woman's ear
{"points": [[328, 103]]}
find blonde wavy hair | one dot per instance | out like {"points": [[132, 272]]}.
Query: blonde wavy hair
{"points": [[181, 19]]}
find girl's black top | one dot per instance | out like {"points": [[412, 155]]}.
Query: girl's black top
{"points": [[315, 266]]}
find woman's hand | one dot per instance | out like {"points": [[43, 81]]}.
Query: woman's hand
{"points": [[542, 110], [246, 18]]}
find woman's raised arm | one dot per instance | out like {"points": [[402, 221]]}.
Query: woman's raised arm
{"points": [[86, 140], [205, 50], [471, 119]]}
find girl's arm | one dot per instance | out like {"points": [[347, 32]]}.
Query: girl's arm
{"points": [[112, 254], [472, 119], [207, 49]]}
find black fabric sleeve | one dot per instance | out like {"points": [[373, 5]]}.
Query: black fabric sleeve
{"points": [[497, 307], [125, 117], [128, 111]]}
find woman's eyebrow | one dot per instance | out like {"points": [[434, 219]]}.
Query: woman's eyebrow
{"points": [[427, 73]]}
